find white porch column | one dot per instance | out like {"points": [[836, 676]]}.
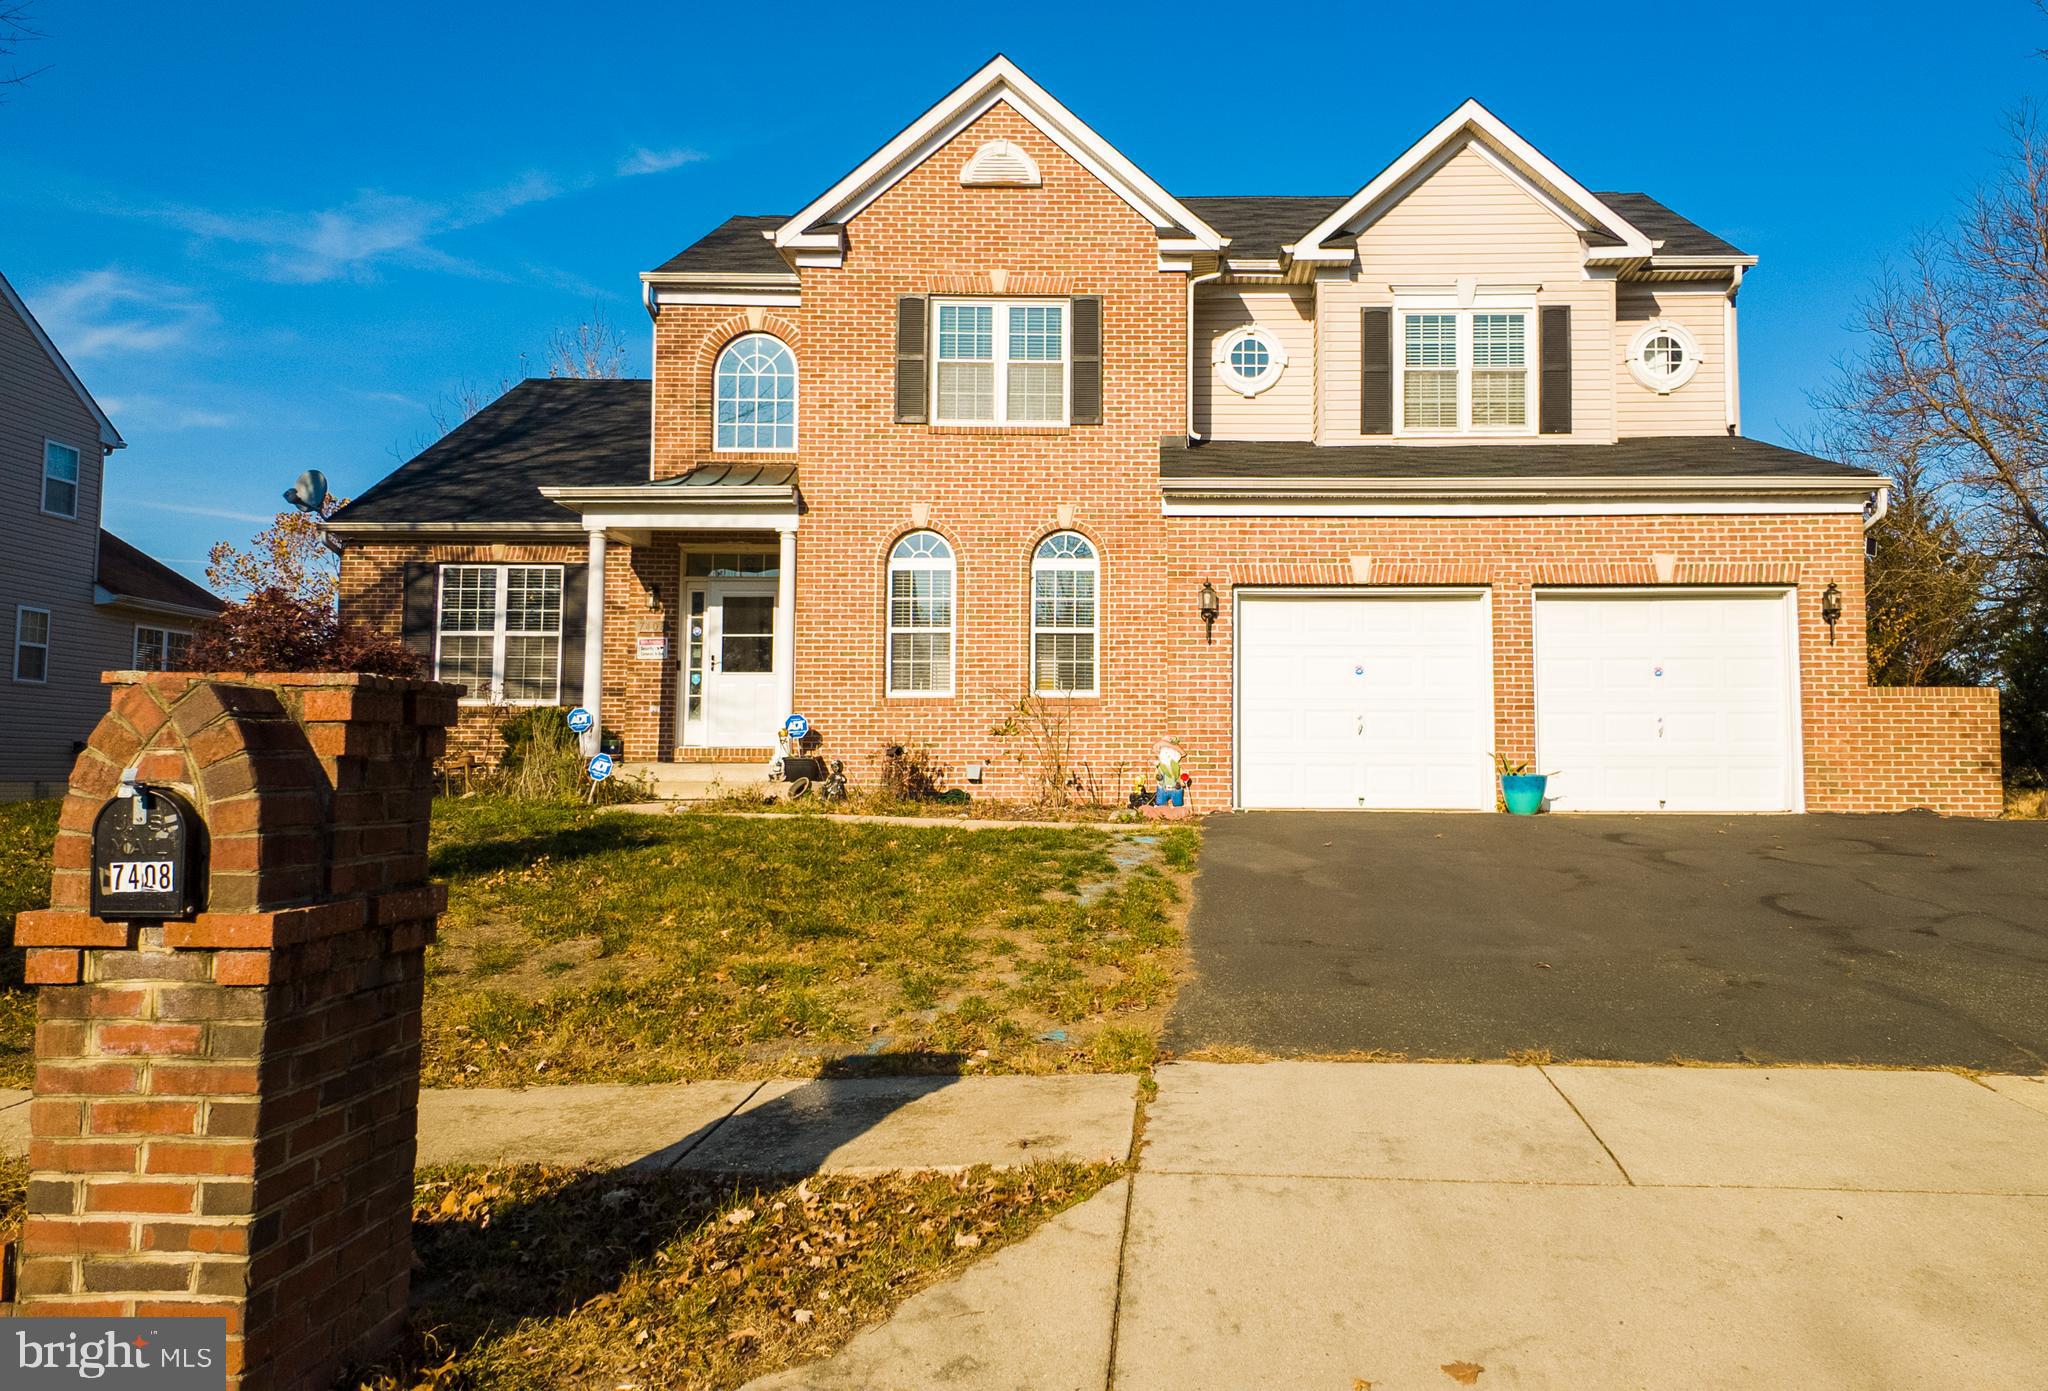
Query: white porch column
{"points": [[593, 643], [785, 624]]}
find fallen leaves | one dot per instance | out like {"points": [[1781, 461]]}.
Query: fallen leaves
{"points": [[1464, 1373]]}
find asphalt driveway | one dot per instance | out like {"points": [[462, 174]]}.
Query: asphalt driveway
{"points": [[1906, 940]]}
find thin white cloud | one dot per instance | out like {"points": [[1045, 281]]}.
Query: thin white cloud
{"points": [[102, 313], [155, 413], [645, 161], [186, 509]]}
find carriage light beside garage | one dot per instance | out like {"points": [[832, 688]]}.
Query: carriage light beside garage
{"points": [[1831, 609], [1210, 608]]}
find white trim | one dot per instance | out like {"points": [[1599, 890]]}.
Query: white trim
{"points": [[769, 299], [103, 597], [1092, 566], [999, 81], [77, 481], [1238, 593], [1226, 370], [165, 634], [1664, 328], [1564, 507], [1000, 164], [499, 633], [47, 645], [110, 438], [1562, 192], [1788, 596], [1730, 369], [1000, 360], [1462, 311], [516, 530], [795, 400], [951, 568]]}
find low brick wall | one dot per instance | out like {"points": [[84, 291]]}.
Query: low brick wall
{"points": [[1914, 747], [225, 1107]]}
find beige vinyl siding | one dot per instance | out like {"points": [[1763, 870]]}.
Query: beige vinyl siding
{"points": [[1286, 409], [1466, 217], [1700, 407], [48, 563]]}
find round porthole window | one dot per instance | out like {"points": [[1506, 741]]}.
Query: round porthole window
{"points": [[1663, 357], [1249, 360]]}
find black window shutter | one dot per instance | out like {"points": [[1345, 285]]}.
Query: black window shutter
{"points": [[1554, 414], [575, 602], [911, 397], [422, 595], [1087, 360], [1376, 378]]}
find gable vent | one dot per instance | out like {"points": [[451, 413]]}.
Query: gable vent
{"points": [[999, 164]]}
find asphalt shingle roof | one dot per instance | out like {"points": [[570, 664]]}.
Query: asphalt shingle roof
{"points": [[567, 431], [1708, 456], [734, 247], [133, 574]]}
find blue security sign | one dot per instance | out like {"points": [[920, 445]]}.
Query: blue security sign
{"points": [[580, 721], [600, 767], [796, 726]]}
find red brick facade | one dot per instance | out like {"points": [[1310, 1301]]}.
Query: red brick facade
{"points": [[225, 1108], [994, 493]]}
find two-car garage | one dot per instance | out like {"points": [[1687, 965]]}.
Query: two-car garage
{"points": [[1644, 700]]}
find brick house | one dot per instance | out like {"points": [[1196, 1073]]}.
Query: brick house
{"points": [[1340, 495]]}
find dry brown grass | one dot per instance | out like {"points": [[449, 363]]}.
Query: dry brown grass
{"points": [[2026, 803]]}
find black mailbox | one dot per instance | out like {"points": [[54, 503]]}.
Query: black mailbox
{"points": [[148, 856]]}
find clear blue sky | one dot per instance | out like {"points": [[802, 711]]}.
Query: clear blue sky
{"points": [[271, 236]]}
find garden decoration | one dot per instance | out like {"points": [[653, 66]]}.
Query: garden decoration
{"points": [[1520, 790]]}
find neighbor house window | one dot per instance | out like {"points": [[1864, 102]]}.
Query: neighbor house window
{"points": [[1664, 357], [161, 649], [1000, 362], [60, 479], [31, 644], [921, 615], [1249, 360], [500, 632], [1063, 614], [756, 394], [1465, 370]]}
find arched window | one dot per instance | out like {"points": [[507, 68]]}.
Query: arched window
{"points": [[756, 394], [921, 615], [1063, 614]]}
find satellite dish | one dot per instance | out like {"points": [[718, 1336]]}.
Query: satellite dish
{"points": [[309, 494]]}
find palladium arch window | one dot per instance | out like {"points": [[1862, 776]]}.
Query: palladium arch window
{"points": [[499, 632], [1465, 371], [1063, 615], [756, 395], [920, 655]]}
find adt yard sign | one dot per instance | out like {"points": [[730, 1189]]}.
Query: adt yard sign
{"points": [[796, 726], [580, 721], [600, 767], [148, 856]]}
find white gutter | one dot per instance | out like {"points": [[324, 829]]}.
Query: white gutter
{"points": [[1881, 506], [1194, 280], [1407, 486]]}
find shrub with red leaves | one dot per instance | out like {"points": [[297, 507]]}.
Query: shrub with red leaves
{"points": [[273, 630]]}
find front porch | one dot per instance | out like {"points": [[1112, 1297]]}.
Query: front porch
{"points": [[689, 652]]}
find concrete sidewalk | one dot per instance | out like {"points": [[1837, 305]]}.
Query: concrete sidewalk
{"points": [[1395, 1226]]}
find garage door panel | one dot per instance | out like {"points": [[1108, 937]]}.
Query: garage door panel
{"points": [[1363, 700], [1692, 709]]}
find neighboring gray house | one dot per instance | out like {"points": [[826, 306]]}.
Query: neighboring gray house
{"points": [[74, 600]]}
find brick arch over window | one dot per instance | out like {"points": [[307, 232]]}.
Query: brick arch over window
{"points": [[704, 364]]}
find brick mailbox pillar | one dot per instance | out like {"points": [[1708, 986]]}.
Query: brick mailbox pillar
{"points": [[223, 1121]]}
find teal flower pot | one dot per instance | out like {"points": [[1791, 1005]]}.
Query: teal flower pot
{"points": [[1523, 792]]}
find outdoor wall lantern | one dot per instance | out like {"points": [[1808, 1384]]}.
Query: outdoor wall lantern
{"points": [[1831, 608], [1210, 608]]}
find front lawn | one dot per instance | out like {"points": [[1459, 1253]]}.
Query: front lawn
{"points": [[677, 1280], [609, 946], [27, 831]]}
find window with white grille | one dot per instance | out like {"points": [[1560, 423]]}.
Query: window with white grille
{"points": [[161, 649], [920, 617], [1465, 371], [1064, 615], [1000, 362], [499, 632]]}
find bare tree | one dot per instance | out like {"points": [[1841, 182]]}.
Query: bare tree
{"points": [[594, 348], [17, 27]]}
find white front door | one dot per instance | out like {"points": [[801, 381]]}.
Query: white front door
{"points": [[1378, 700], [1667, 702], [729, 681]]}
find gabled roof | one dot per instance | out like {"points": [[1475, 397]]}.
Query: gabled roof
{"points": [[129, 576], [489, 469], [817, 227], [1258, 225], [109, 436], [1675, 235], [736, 246], [1612, 237]]}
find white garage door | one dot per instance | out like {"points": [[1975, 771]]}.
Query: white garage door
{"points": [[1666, 702], [1364, 701]]}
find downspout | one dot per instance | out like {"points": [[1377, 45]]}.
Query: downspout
{"points": [[1881, 506], [1193, 281]]}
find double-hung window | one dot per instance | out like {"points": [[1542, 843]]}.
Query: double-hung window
{"points": [[920, 615], [1000, 362], [161, 649], [31, 644], [1465, 371], [1063, 615], [60, 479], [499, 632]]}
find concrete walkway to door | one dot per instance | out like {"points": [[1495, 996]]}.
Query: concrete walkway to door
{"points": [[1913, 940]]}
